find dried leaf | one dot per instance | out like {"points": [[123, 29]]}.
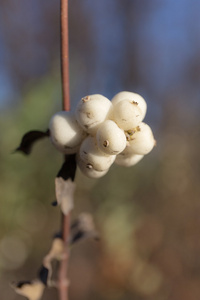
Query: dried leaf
{"points": [[65, 194], [56, 252], [33, 290], [83, 227], [68, 169], [29, 139], [43, 274]]}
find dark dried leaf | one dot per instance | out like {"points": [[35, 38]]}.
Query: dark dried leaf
{"points": [[82, 228], [76, 237], [29, 139], [68, 169], [43, 274]]}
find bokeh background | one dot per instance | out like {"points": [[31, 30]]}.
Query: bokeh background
{"points": [[148, 216]]}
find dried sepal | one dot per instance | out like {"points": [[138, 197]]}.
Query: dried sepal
{"points": [[32, 290], [29, 139]]}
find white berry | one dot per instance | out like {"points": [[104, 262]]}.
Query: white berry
{"points": [[88, 170], [91, 154], [65, 133], [92, 111], [141, 140], [110, 138], [131, 97], [128, 160], [127, 114]]}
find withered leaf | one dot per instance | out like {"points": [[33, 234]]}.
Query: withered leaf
{"points": [[77, 236], [19, 284], [65, 194], [68, 169], [32, 290], [82, 228], [29, 139], [43, 274], [56, 252]]}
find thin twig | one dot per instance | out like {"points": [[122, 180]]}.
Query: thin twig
{"points": [[63, 282], [65, 53]]}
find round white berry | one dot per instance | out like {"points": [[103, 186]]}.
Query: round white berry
{"points": [[92, 111], [65, 133], [127, 114], [128, 160], [91, 154], [141, 140], [88, 169], [131, 97], [110, 138]]}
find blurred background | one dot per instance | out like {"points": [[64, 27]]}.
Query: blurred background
{"points": [[148, 216]]}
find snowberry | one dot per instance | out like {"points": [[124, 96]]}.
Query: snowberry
{"points": [[103, 131], [127, 114], [128, 160], [91, 154], [65, 132], [88, 170], [110, 138], [91, 111], [131, 97], [141, 139]]}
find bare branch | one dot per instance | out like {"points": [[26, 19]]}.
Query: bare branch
{"points": [[62, 276]]}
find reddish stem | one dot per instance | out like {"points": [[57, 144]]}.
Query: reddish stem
{"points": [[62, 276], [65, 54], [63, 282]]}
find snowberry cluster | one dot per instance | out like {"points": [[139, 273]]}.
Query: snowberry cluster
{"points": [[102, 132]]}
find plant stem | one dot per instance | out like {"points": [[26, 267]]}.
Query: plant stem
{"points": [[63, 282], [65, 53]]}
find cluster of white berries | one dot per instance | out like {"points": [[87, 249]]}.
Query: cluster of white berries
{"points": [[102, 132]]}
